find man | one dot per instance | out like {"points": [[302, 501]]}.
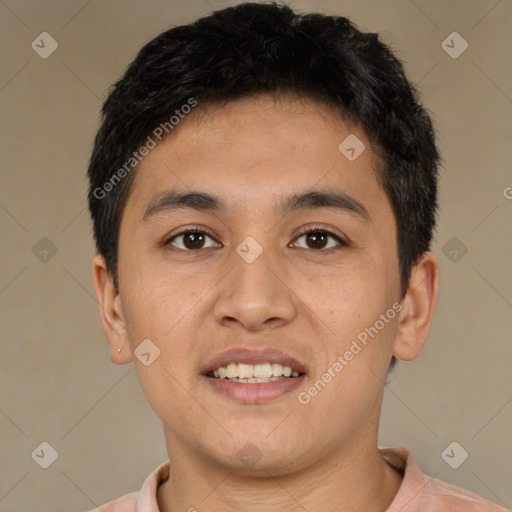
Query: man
{"points": [[264, 191]]}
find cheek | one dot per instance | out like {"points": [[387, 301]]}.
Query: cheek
{"points": [[350, 298], [356, 309], [156, 311], [155, 299], [168, 311]]}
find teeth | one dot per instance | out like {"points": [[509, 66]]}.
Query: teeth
{"points": [[245, 371], [254, 380], [263, 371], [277, 370], [231, 371], [266, 372]]}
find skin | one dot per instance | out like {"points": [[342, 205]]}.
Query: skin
{"points": [[307, 301]]}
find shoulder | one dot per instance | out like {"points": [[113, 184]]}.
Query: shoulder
{"points": [[421, 493], [456, 499], [125, 503], [144, 500]]}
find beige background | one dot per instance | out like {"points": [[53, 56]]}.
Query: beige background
{"points": [[57, 382]]}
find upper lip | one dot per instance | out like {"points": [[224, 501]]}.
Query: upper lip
{"points": [[252, 356]]}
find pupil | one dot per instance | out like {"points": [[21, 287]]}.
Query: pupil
{"points": [[194, 238], [317, 238]]}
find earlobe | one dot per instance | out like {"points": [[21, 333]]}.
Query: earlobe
{"points": [[418, 308], [112, 316]]}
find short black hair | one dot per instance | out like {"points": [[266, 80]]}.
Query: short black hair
{"points": [[267, 48]]}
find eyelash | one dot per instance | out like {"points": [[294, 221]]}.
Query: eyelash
{"points": [[315, 229]]}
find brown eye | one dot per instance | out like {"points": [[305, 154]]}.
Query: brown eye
{"points": [[190, 240], [318, 239]]}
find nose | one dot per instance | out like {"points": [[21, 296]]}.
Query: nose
{"points": [[255, 295]]}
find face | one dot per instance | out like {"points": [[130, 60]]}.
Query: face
{"points": [[232, 280]]}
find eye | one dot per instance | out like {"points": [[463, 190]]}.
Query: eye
{"points": [[317, 238], [191, 240]]}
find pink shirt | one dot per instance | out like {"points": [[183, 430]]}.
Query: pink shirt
{"points": [[418, 493]]}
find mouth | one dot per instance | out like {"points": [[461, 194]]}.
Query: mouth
{"points": [[253, 373], [253, 376]]}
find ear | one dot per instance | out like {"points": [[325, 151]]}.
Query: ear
{"points": [[418, 308], [112, 318]]}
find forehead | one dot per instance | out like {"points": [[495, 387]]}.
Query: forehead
{"points": [[260, 148]]}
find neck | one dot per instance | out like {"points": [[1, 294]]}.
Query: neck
{"points": [[350, 479]]}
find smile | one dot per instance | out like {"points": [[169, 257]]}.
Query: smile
{"points": [[253, 376], [253, 373]]}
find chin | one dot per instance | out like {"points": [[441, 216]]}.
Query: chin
{"points": [[259, 456]]}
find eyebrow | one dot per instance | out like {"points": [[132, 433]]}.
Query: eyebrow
{"points": [[174, 200]]}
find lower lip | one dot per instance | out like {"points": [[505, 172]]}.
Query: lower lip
{"points": [[255, 393]]}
